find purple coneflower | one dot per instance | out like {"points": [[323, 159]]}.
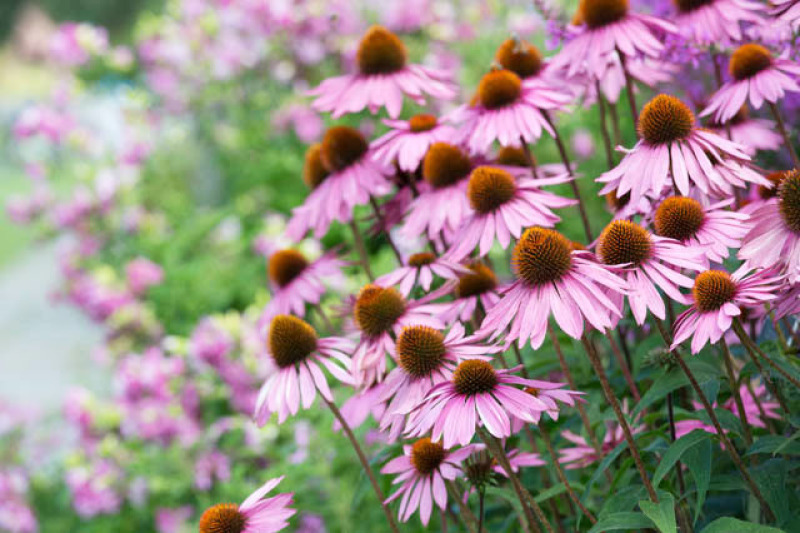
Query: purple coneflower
{"points": [[295, 282], [583, 453], [421, 268], [787, 11], [718, 298], [554, 278], [757, 78], [297, 353], [480, 393], [502, 207], [508, 110], [384, 76], [424, 467], [380, 314], [672, 145], [707, 22], [712, 230], [408, 142], [649, 261], [602, 27], [774, 236], [341, 175], [752, 133], [254, 515], [478, 287]]}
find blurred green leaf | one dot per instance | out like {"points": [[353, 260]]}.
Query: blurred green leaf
{"points": [[662, 513], [617, 521], [733, 525]]}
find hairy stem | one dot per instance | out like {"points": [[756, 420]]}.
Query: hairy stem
{"points": [[362, 251]]}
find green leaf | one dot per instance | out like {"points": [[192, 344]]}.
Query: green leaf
{"points": [[776, 444], [771, 478], [674, 452], [698, 460], [553, 491], [607, 460], [660, 388], [662, 513], [617, 521], [731, 525]]}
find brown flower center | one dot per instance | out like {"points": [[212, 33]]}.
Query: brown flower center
{"points": [[511, 156], [599, 13], [665, 119], [421, 259], [445, 165], [341, 147], [480, 280], [617, 202], [314, 171], [679, 218], [290, 340], [713, 289], [426, 456], [420, 350], [520, 57], [285, 266], [686, 6], [381, 52], [624, 241], [223, 518], [748, 60], [789, 199], [542, 256], [377, 309], [776, 178], [474, 376], [419, 123], [499, 88], [489, 188]]}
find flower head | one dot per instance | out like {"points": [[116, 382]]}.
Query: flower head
{"points": [[409, 141], [254, 515], [421, 268]]}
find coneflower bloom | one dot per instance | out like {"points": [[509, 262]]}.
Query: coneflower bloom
{"points": [[554, 278], [477, 287], [649, 261], [442, 204], [502, 207], [420, 269], [425, 358], [774, 236], [408, 141], [254, 515], [297, 352], [583, 453], [645, 70], [757, 78], [508, 110], [295, 281], [514, 160], [672, 145], [607, 26], [424, 467], [706, 22], [718, 298], [380, 314], [342, 175], [752, 412], [752, 133], [384, 76], [787, 11], [478, 393], [713, 230]]}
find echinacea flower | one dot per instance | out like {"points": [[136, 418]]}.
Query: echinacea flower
{"points": [[479, 393], [712, 229], [408, 141], [671, 145], [342, 175], [425, 358], [508, 110], [774, 236], [787, 11], [295, 281], [380, 314], [420, 269], [514, 160], [718, 298], [442, 203], [254, 515], [751, 132], [706, 22], [424, 467], [384, 76], [502, 207], [297, 352], [752, 412], [474, 290], [583, 453], [649, 261], [554, 278], [606, 26], [757, 78]]}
